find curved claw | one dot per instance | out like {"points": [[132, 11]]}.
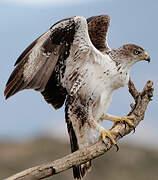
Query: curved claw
{"points": [[132, 126], [108, 133], [120, 134], [117, 147], [125, 123], [134, 130]]}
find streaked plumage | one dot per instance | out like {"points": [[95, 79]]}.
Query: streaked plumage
{"points": [[73, 62]]}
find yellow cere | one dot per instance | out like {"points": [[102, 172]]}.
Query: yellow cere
{"points": [[145, 56]]}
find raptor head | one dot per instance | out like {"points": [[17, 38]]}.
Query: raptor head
{"points": [[136, 52], [129, 54]]}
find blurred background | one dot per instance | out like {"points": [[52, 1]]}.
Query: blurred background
{"points": [[32, 132]]}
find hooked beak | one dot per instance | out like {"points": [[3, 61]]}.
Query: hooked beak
{"points": [[146, 57]]}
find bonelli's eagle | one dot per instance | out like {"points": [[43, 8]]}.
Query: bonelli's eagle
{"points": [[73, 63]]}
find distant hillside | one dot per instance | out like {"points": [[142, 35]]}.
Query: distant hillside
{"points": [[130, 163]]}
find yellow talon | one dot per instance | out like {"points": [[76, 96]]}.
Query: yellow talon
{"points": [[108, 133], [125, 119]]}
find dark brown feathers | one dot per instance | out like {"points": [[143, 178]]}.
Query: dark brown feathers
{"points": [[78, 171], [42, 66], [72, 135], [35, 66], [97, 28], [54, 93], [15, 81], [26, 51], [39, 65]]}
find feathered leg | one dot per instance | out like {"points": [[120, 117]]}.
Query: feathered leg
{"points": [[78, 171], [103, 132]]}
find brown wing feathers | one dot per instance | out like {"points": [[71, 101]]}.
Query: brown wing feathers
{"points": [[42, 65], [26, 51], [51, 50], [52, 45], [97, 28], [54, 93], [17, 80], [77, 171]]}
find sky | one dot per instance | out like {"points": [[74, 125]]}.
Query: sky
{"points": [[44, 3], [26, 114]]}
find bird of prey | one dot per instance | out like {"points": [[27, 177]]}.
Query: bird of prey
{"points": [[73, 63]]}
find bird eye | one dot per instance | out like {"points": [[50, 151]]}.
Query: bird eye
{"points": [[136, 52]]}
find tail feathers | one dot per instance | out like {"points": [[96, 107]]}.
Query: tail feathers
{"points": [[80, 171]]}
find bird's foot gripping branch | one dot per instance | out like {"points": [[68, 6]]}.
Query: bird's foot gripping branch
{"points": [[81, 156]]}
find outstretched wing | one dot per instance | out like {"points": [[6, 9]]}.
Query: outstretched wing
{"points": [[42, 64], [97, 29]]}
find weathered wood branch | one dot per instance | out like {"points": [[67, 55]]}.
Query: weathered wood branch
{"points": [[81, 156]]}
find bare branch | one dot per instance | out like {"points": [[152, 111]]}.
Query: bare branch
{"points": [[81, 156]]}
